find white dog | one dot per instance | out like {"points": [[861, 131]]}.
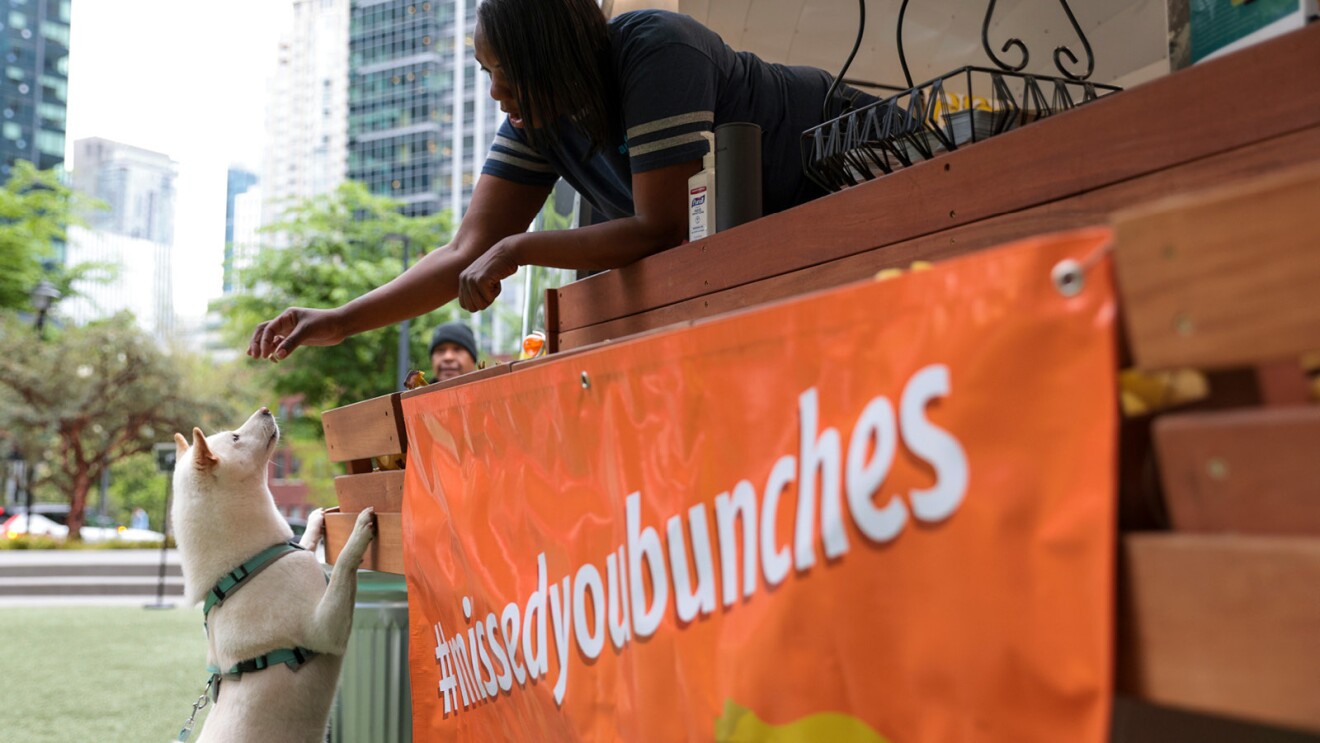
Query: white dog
{"points": [[276, 631]]}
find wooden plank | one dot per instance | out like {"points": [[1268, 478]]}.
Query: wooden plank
{"points": [[585, 340], [386, 551], [1148, 128], [359, 466], [1229, 625], [1135, 721], [473, 376], [365, 430], [382, 491], [1223, 278], [525, 364], [1092, 207], [1283, 383], [551, 321], [1252, 471]]}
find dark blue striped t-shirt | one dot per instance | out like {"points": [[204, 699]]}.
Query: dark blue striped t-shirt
{"points": [[677, 79]]}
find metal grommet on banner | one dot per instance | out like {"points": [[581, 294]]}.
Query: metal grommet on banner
{"points": [[1069, 274], [1068, 277], [586, 381]]}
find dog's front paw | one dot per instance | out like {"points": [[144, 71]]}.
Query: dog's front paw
{"points": [[314, 530], [366, 524], [364, 530]]}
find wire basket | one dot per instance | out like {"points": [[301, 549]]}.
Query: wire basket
{"points": [[957, 109]]}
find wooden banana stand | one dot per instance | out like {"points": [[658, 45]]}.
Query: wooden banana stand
{"points": [[1211, 179]]}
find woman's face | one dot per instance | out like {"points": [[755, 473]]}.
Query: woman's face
{"points": [[500, 89]]}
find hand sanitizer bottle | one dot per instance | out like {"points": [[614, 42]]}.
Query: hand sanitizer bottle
{"points": [[701, 194]]}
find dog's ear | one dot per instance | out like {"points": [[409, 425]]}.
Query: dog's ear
{"points": [[203, 458], [181, 444]]}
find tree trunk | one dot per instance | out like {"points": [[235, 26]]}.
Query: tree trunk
{"points": [[82, 482]]}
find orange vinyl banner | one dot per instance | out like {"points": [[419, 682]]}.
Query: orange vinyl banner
{"points": [[885, 512]]}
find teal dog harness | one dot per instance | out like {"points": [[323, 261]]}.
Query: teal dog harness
{"points": [[229, 583]]}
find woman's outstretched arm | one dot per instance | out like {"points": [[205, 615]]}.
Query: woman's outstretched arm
{"points": [[659, 222], [499, 209]]}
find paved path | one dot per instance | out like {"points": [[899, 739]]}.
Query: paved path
{"points": [[82, 577]]}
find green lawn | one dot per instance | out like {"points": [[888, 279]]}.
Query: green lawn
{"points": [[99, 673]]}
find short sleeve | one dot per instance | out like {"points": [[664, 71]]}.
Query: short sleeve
{"points": [[668, 101], [512, 159]]}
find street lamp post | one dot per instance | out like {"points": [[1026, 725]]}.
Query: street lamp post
{"points": [[404, 347], [166, 453], [44, 294]]}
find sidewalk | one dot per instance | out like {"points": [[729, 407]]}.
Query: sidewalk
{"points": [[86, 577]]}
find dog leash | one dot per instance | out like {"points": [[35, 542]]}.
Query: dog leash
{"points": [[294, 658], [198, 706]]}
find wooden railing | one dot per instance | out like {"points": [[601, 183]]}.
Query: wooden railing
{"points": [[1205, 177], [1249, 113]]}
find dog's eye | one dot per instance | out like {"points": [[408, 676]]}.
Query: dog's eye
{"points": [[235, 438]]}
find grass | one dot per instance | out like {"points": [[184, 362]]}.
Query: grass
{"points": [[43, 542], [99, 673]]}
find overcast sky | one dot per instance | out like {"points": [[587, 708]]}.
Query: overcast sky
{"points": [[186, 78]]}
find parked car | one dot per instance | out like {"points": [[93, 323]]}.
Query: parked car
{"points": [[57, 512], [51, 519], [17, 525]]}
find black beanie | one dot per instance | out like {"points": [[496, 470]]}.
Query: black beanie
{"points": [[455, 332]]}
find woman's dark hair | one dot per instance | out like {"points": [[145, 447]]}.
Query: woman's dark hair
{"points": [[556, 57]]}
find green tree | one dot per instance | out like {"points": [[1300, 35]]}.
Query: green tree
{"points": [[91, 396], [336, 247], [136, 483], [35, 209]]}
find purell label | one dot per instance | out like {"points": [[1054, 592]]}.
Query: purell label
{"points": [[698, 214]]}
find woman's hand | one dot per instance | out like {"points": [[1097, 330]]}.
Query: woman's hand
{"points": [[296, 326], [479, 283]]}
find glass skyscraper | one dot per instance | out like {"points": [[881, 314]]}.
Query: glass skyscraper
{"points": [[307, 110], [34, 42], [236, 184], [420, 121], [136, 183]]}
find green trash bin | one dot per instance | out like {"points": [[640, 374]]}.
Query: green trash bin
{"points": [[374, 704]]}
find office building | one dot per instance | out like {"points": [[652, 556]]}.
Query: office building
{"points": [[34, 41], [238, 183], [420, 120], [142, 283], [137, 185], [307, 110], [135, 235]]}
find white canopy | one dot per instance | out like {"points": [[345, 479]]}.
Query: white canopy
{"points": [[1129, 37]]}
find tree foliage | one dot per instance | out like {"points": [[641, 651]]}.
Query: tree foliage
{"points": [[336, 247], [35, 210], [136, 483], [90, 396]]}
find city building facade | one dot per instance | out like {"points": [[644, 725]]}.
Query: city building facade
{"points": [[307, 110], [237, 184], [142, 282], [137, 185], [34, 42], [134, 236], [420, 121]]}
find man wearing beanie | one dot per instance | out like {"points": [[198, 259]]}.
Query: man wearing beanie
{"points": [[453, 351]]}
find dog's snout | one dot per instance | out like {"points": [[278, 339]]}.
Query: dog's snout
{"points": [[264, 410]]}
